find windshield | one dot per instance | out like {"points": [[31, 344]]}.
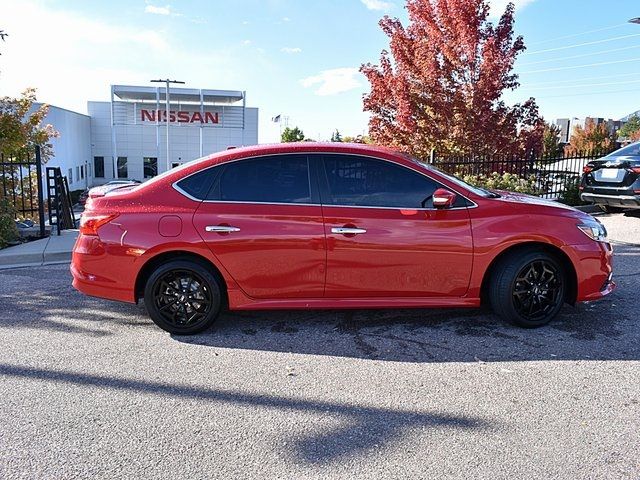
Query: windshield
{"points": [[632, 150], [453, 179]]}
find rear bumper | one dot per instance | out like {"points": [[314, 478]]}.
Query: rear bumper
{"points": [[114, 282], [628, 201], [594, 269]]}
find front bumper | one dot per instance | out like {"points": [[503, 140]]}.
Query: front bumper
{"points": [[627, 201], [594, 269]]}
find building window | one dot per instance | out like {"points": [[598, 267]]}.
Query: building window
{"points": [[122, 167], [98, 165], [89, 170], [82, 172], [77, 173], [150, 167], [70, 176]]}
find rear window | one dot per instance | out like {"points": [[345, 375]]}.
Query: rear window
{"points": [[632, 150], [199, 184]]}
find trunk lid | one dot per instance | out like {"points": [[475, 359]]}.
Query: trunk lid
{"points": [[618, 172]]}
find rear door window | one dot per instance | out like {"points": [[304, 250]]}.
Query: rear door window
{"points": [[269, 179]]}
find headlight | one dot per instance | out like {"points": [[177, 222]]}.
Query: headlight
{"points": [[594, 230]]}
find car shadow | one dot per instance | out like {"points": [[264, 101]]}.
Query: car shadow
{"points": [[602, 330]]}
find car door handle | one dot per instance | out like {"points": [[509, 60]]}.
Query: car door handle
{"points": [[221, 228], [348, 230]]}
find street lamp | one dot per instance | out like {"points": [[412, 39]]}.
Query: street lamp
{"points": [[166, 81]]}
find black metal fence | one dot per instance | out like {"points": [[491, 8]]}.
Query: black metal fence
{"points": [[21, 187], [547, 176]]}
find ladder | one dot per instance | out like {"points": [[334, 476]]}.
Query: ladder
{"points": [[59, 201]]}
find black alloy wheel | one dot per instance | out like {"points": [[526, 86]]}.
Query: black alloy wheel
{"points": [[182, 297], [536, 290], [528, 288]]}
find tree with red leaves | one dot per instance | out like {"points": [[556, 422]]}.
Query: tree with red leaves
{"points": [[441, 85], [590, 138]]}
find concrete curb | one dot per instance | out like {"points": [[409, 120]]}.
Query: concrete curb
{"points": [[47, 251]]}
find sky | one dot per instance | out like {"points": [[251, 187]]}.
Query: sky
{"points": [[300, 58]]}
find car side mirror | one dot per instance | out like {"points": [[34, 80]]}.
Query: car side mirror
{"points": [[443, 198]]}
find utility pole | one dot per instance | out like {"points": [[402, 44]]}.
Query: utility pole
{"points": [[167, 81]]}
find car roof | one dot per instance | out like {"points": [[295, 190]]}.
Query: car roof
{"points": [[188, 168], [299, 147]]}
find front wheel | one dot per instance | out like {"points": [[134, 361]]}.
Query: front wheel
{"points": [[182, 297], [528, 289]]}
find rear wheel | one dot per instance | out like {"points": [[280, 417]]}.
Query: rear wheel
{"points": [[182, 297], [528, 288]]}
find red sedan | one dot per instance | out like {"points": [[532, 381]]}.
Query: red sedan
{"points": [[299, 226]]}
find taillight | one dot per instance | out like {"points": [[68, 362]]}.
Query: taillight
{"points": [[635, 169], [587, 169], [91, 222]]}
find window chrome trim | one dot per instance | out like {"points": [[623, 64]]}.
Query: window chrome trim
{"points": [[200, 200]]}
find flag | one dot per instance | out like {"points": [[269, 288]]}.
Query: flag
{"points": [[276, 119]]}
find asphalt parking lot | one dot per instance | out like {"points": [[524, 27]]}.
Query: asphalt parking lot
{"points": [[92, 389]]}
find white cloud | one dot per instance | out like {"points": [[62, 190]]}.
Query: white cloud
{"points": [[377, 5], [286, 19], [498, 6], [91, 54], [334, 81], [291, 50], [246, 42], [166, 10]]}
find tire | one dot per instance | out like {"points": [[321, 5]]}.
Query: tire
{"points": [[528, 288], [183, 297], [610, 209]]}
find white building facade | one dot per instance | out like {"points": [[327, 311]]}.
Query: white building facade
{"points": [[126, 138]]}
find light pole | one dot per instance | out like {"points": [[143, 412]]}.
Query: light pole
{"points": [[167, 81]]}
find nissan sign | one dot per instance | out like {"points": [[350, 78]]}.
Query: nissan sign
{"points": [[180, 116]]}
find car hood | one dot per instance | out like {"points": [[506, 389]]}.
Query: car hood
{"points": [[522, 198]]}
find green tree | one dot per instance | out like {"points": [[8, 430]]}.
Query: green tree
{"points": [[290, 135], [358, 139], [631, 129], [336, 137], [21, 130]]}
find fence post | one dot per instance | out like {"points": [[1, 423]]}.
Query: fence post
{"points": [[532, 162], [40, 193]]}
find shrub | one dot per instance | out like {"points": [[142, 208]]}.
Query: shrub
{"points": [[8, 230], [571, 193], [503, 181]]}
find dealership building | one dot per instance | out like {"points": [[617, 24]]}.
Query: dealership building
{"points": [[126, 138]]}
